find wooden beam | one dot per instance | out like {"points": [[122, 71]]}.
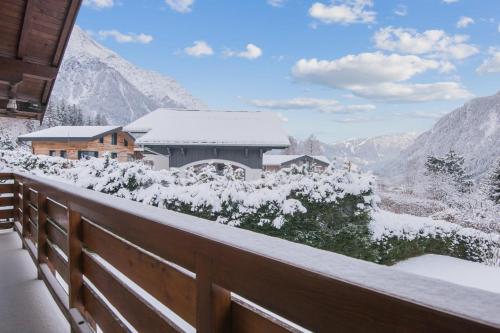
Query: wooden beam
{"points": [[11, 69], [23, 38], [73, 8]]}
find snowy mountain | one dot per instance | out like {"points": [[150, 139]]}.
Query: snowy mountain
{"points": [[472, 131], [99, 80], [370, 153]]}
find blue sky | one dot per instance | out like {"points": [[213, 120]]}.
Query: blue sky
{"points": [[337, 69]]}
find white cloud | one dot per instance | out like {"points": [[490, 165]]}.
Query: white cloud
{"points": [[409, 92], [378, 76], [364, 68], [435, 43], [125, 38], [498, 27], [276, 3], [344, 12], [251, 52], [181, 6], [401, 10], [491, 64], [464, 22], [450, 1], [305, 103], [200, 48], [99, 4]]}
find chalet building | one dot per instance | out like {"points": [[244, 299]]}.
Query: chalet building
{"points": [[278, 162], [76, 142], [180, 139]]}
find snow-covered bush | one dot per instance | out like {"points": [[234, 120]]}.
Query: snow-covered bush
{"points": [[332, 210]]}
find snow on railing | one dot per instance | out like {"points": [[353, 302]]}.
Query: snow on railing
{"points": [[133, 267]]}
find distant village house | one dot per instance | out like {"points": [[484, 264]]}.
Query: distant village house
{"points": [[76, 142], [180, 139], [278, 162]]}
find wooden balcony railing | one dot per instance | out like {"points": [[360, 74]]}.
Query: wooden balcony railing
{"points": [[115, 264]]}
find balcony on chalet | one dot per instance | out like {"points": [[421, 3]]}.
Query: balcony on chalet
{"points": [[79, 260]]}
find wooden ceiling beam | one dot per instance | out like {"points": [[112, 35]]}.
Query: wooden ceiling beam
{"points": [[69, 22], [12, 68], [23, 38]]}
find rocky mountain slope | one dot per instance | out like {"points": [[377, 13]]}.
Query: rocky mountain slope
{"points": [[99, 80], [472, 131]]}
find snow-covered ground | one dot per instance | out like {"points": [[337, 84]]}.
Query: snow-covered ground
{"points": [[387, 223], [462, 272]]}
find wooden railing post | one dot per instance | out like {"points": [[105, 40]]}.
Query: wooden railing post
{"points": [[42, 232], [213, 308], [25, 211], [75, 259], [17, 199]]}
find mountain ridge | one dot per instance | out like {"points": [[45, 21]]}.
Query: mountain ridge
{"points": [[99, 80], [472, 130]]}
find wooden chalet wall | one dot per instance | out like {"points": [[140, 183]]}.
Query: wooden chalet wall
{"points": [[72, 147]]}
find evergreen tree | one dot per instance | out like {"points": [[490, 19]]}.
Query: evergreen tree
{"points": [[450, 169], [493, 183]]}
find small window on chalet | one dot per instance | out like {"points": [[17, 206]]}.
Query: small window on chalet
{"points": [[86, 153], [114, 155], [63, 154], [114, 138], [101, 139], [52, 153], [125, 142]]}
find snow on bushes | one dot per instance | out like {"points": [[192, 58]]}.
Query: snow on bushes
{"points": [[335, 210]]}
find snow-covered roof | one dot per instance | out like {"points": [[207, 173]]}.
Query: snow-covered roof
{"points": [[69, 133], [223, 128], [281, 159]]}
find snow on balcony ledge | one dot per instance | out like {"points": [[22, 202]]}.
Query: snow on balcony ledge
{"points": [[464, 301]]}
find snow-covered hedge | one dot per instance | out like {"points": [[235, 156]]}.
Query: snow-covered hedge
{"points": [[334, 210]]}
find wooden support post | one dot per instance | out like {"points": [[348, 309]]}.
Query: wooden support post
{"points": [[17, 200], [42, 232], [75, 259], [25, 207], [213, 309]]}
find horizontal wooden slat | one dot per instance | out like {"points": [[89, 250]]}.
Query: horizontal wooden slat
{"points": [[57, 261], [57, 213], [6, 225], [101, 313], [6, 201], [6, 188], [244, 319], [57, 236], [175, 289], [6, 214], [138, 313], [6, 175]]}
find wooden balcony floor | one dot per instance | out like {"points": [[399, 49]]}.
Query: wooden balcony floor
{"points": [[25, 302]]}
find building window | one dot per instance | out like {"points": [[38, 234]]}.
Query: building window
{"points": [[86, 153], [125, 142], [114, 155], [63, 154], [101, 139], [52, 153], [114, 138]]}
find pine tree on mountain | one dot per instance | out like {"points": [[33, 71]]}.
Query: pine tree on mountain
{"points": [[447, 175], [493, 183]]}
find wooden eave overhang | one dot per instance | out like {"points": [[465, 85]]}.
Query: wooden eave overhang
{"points": [[33, 38]]}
